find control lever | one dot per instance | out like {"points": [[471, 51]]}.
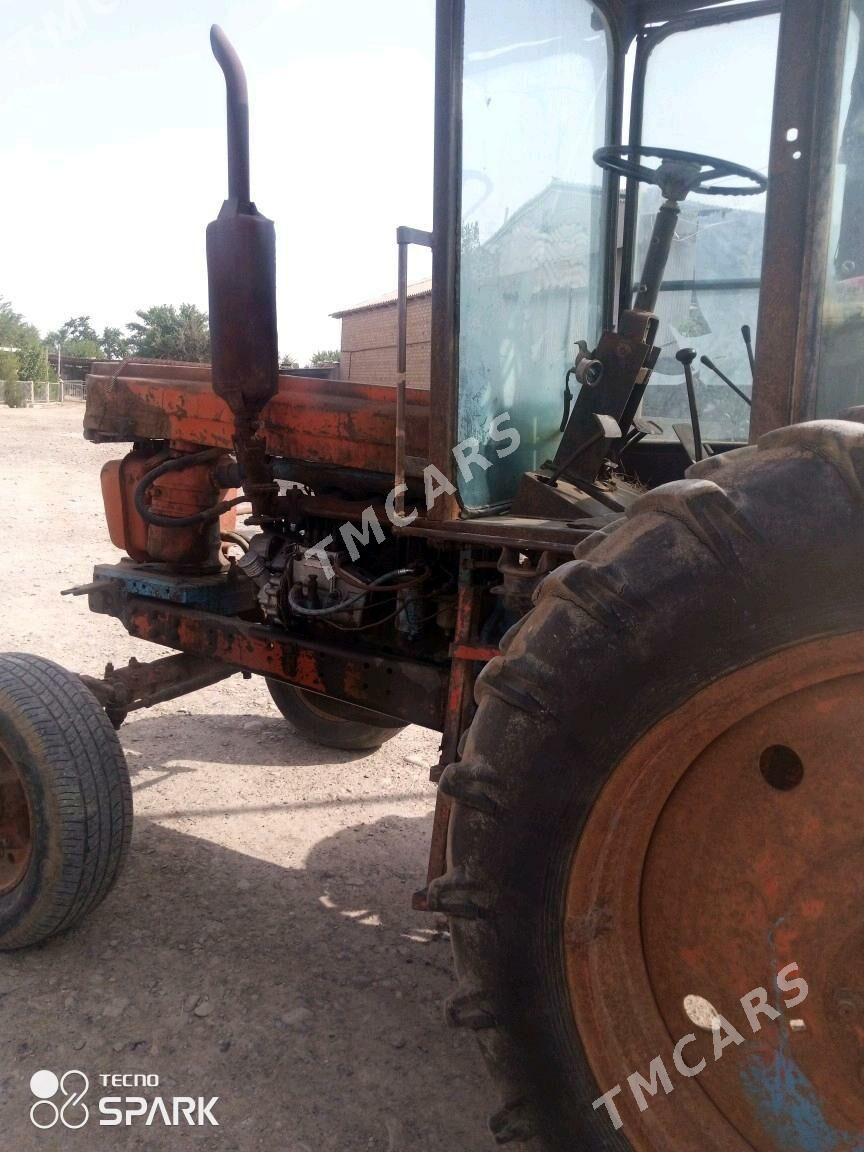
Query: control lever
{"points": [[685, 357], [748, 344], [709, 363]]}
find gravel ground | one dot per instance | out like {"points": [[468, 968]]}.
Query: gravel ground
{"points": [[260, 945]]}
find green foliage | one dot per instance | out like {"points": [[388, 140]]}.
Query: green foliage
{"points": [[14, 330], [288, 361], [324, 356], [164, 332], [169, 333], [8, 365], [115, 346], [88, 349], [13, 393], [76, 330], [77, 337], [32, 362]]}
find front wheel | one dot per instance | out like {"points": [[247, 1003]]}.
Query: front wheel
{"points": [[657, 822], [332, 723], [65, 801]]}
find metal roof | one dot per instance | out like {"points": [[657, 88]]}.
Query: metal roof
{"points": [[420, 288]]}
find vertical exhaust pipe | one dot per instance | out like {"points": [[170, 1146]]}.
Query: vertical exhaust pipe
{"points": [[241, 271]]}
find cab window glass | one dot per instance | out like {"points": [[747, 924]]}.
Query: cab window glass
{"points": [[709, 90], [534, 111]]}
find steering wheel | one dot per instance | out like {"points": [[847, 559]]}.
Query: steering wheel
{"points": [[680, 172]]}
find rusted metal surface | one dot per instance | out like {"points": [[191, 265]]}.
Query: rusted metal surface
{"points": [[410, 690], [16, 840], [241, 278], [156, 400], [467, 655], [475, 652], [141, 685], [322, 422], [189, 490], [437, 851], [350, 425], [463, 672], [710, 862], [241, 269]]}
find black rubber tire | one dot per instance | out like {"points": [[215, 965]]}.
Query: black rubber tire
{"points": [[332, 723], [77, 785], [755, 551]]}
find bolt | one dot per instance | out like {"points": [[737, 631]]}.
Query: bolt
{"points": [[845, 1003]]}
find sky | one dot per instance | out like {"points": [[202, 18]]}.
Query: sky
{"points": [[112, 151]]}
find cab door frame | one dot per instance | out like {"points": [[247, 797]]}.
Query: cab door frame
{"points": [[798, 218]]}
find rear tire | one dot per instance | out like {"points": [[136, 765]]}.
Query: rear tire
{"points": [[756, 551], [59, 752], [332, 723]]}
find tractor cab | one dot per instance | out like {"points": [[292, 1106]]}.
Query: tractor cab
{"points": [[638, 307]]}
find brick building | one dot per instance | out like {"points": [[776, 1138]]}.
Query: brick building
{"points": [[368, 348]]}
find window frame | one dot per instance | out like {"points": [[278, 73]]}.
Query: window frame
{"points": [[447, 214]]}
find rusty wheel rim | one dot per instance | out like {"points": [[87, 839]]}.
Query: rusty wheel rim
{"points": [[728, 844], [16, 839]]}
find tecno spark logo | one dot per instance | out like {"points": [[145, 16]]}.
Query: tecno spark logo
{"points": [[61, 1099], [71, 1111]]}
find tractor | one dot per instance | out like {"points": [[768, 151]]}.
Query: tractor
{"points": [[613, 555]]}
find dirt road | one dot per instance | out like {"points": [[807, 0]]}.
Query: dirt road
{"points": [[260, 946]]}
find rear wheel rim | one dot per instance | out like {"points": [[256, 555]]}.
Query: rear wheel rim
{"points": [[16, 839], [726, 845]]}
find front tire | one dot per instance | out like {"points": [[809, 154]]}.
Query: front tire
{"points": [[757, 553], [65, 801], [332, 723]]}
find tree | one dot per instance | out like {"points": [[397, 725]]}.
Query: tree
{"points": [[76, 337], [32, 361], [8, 365], [75, 329], [115, 345], [14, 330], [85, 349], [168, 333], [324, 356], [288, 361]]}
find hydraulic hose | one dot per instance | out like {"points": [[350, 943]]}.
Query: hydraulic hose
{"points": [[351, 578], [176, 464], [343, 605], [235, 538]]}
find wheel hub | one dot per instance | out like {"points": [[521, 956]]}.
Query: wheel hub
{"points": [[727, 846], [15, 825]]}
